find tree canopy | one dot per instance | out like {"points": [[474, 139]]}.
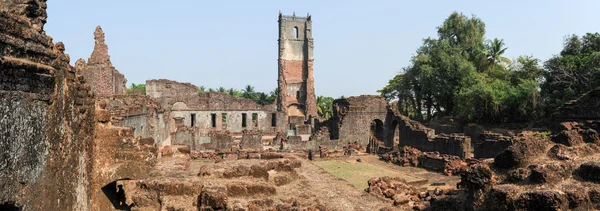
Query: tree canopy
{"points": [[574, 71], [460, 73], [248, 92]]}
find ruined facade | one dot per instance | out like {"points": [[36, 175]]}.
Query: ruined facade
{"points": [[209, 120], [99, 72], [297, 98]]}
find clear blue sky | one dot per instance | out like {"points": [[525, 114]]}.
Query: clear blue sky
{"points": [[359, 45]]}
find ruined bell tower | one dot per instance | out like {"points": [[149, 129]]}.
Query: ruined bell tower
{"points": [[296, 83]]}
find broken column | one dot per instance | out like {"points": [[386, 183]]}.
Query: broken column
{"points": [[99, 72]]}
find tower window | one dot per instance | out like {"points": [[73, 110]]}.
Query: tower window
{"points": [[273, 119], [296, 32], [297, 95]]}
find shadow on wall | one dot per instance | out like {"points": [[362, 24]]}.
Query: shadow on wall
{"points": [[9, 206], [116, 195]]}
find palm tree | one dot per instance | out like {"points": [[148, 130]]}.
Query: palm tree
{"points": [[223, 90], [263, 99], [248, 92], [324, 106], [234, 92], [201, 89], [494, 53], [275, 93]]}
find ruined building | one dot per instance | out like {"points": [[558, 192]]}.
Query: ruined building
{"points": [[99, 72], [208, 120], [296, 83]]}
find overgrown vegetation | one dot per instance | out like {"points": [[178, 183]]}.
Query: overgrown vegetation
{"points": [[463, 75], [137, 87]]}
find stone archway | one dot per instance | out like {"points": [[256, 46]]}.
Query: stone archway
{"points": [[377, 129], [376, 136]]}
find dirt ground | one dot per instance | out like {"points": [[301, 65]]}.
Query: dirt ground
{"points": [[306, 186]]}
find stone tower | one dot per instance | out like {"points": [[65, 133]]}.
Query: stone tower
{"points": [[296, 83]]}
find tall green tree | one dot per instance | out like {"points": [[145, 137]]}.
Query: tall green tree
{"points": [[575, 71], [461, 74]]}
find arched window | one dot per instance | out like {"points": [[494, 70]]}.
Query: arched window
{"points": [[296, 32]]}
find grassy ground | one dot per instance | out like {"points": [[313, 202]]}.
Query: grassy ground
{"points": [[358, 173]]}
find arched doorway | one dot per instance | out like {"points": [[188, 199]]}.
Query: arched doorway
{"points": [[377, 129], [376, 138]]}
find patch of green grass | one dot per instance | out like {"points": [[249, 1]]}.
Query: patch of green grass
{"points": [[546, 133], [358, 174]]}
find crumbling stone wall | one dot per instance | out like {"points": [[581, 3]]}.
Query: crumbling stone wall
{"points": [[99, 73], [415, 134], [47, 115], [139, 112], [251, 140], [167, 92], [369, 117], [489, 144], [296, 82], [353, 117]]}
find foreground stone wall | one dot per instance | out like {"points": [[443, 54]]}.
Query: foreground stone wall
{"points": [[118, 155], [47, 115]]}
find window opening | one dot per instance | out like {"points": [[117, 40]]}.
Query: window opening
{"points": [[193, 118], [213, 119], [296, 32], [243, 120]]}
